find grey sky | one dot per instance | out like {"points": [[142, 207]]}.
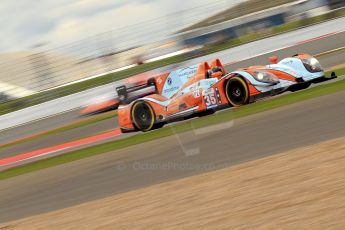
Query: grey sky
{"points": [[25, 23]]}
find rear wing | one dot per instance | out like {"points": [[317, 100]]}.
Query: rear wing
{"points": [[128, 93]]}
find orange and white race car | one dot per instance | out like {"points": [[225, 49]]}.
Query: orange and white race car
{"points": [[204, 88]]}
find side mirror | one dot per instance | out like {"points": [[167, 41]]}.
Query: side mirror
{"points": [[273, 60]]}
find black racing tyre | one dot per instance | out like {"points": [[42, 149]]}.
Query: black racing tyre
{"points": [[237, 91], [143, 116]]}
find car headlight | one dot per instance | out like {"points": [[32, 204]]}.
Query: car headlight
{"points": [[266, 77], [312, 65]]}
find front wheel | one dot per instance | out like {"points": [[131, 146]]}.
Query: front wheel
{"points": [[143, 116], [237, 91]]}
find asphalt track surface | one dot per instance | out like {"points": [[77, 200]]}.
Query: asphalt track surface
{"points": [[60, 137], [173, 157]]}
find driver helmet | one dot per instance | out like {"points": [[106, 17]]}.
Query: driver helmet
{"points": [[215, 71]]}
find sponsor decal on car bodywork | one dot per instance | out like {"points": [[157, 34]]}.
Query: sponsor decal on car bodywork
{"points": [[176, 79]]}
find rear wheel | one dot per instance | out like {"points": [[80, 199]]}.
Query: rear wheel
{"points": [[237, 91], [143, 116]]}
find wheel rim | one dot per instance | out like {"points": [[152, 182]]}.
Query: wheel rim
{"points": [[143, 116], [237, 92]]}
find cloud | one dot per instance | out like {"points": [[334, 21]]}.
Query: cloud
{"points": [[25, 23]]}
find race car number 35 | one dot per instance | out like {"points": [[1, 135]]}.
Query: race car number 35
{"points": [[210, 99]]}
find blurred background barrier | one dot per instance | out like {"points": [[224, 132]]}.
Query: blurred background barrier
{"points": [[42, 74]]}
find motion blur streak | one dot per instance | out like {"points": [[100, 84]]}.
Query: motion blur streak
{"points": [[57, 148]]}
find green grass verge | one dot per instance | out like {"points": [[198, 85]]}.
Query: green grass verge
{"points": [[339, 72], [75, 125], [309, 21], [78, 87], [223, 116]]}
